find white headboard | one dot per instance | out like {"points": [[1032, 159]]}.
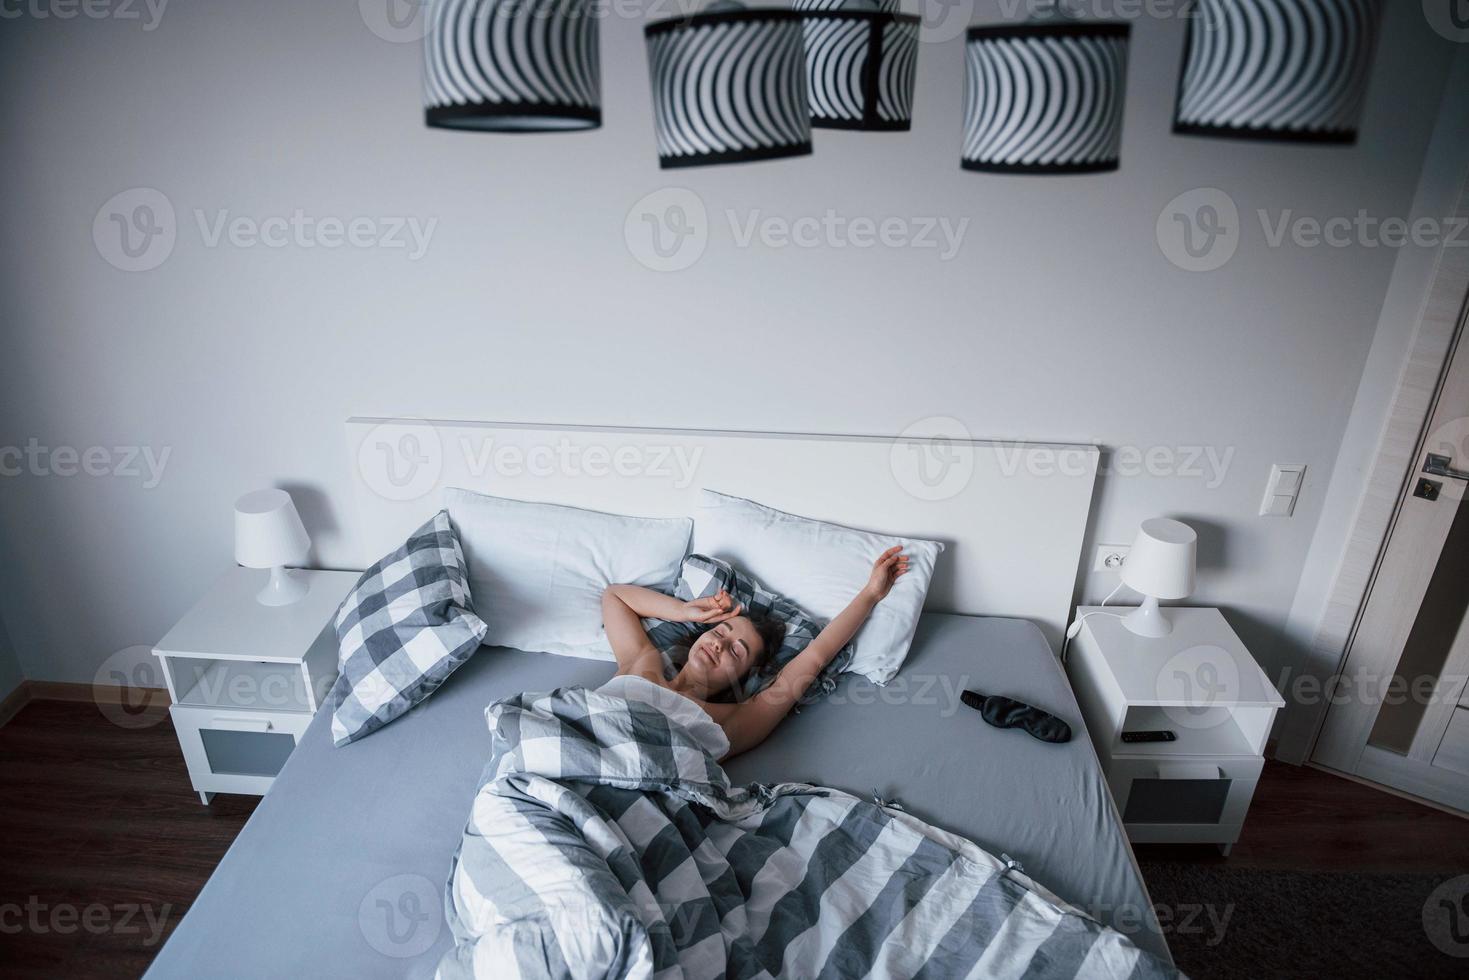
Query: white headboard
{"points": [[1013, 515]]}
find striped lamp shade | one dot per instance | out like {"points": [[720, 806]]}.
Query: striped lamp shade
{"points": [[861, 56], [1044, 98], [729, 85], [512, 66], [1291, 70]]}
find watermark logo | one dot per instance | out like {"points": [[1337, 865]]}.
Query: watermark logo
{"points": [[1446, 917], [129, 688], [1196, 685], [1450, 18], [943, 20], [667, 230], [401, 460], [1199, 230], [148, 13], [397, 21], [406, 460], [400, 917], [933, 459], [135, 230]]}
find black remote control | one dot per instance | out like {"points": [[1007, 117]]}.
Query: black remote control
{"points": [[1163, 735]]}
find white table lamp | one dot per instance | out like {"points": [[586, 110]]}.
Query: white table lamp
{"points": [[269, 534], [1160, 566]]}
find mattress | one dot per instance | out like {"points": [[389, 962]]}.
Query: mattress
{"points": [[341, 869]]}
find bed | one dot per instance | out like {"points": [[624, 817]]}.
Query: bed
{"points": [[342, 869]]}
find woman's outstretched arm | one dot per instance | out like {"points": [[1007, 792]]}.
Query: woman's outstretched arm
{"points": [[625, 606], [752, 721]]}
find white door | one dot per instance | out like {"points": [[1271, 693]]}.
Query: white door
{"points": [[1400, 715]]}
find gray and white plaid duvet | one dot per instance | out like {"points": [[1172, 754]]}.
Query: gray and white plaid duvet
{"points": [[604, 842]]}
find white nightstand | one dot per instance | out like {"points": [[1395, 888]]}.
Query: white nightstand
{"points": [[1200, 683], [245, 679]]}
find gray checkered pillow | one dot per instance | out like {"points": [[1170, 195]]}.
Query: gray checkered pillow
{"points": [[404, 628], [703, 576]]}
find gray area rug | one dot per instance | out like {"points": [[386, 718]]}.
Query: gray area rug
{"points": [[1224, 923]]}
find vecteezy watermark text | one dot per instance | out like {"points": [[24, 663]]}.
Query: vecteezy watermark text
{"points": [[1209, 464], [147, 12], [1361, 230], [833, 230], [405, 460], [935, 457], [95, 918], [669, 229], [1183, 919], [124, 462], [1202, 229], [1371, 689], [303, 230], [136, 230]]}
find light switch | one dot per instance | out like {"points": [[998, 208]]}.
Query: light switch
{"points": [[1282, 490]]}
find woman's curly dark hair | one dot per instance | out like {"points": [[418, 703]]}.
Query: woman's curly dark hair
{"points": [[772, 634]]}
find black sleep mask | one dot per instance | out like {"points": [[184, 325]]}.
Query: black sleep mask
{"points": [[1005, 712]]}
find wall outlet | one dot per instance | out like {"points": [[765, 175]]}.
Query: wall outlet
{"points": [[1110, 557]]}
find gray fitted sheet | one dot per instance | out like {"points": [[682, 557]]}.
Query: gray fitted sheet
{"points": [[339, 873]]}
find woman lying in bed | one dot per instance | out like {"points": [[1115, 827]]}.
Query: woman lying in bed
{"points": [[733, 646]]}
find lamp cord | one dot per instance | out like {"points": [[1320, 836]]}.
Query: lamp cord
{"points": [[1075, 627]]}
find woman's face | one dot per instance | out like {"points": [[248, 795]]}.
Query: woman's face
{"points": [[722, 656]]}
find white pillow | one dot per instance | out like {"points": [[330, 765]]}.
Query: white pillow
{"points": [[537, 571], [821, 567]]}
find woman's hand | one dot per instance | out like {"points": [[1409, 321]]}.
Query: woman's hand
{"points": [[711, 609], [890, 566]]}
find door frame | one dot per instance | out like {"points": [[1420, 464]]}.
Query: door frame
{"points": [[1393, 464], [1381, 631]]}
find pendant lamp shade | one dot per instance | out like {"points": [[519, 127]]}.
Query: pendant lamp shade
{"points": [[729, 86], [1044, 98], [1293, 70], [512, 66], [861, 56]]}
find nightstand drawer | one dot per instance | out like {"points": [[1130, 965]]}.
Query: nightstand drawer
{"points": [[1160, 798], [235, 751]]}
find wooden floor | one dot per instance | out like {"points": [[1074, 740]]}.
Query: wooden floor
{"points": [[103, 843], [1304, 819]]}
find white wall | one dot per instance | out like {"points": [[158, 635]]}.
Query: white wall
{"points": [[1059, 318]]}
